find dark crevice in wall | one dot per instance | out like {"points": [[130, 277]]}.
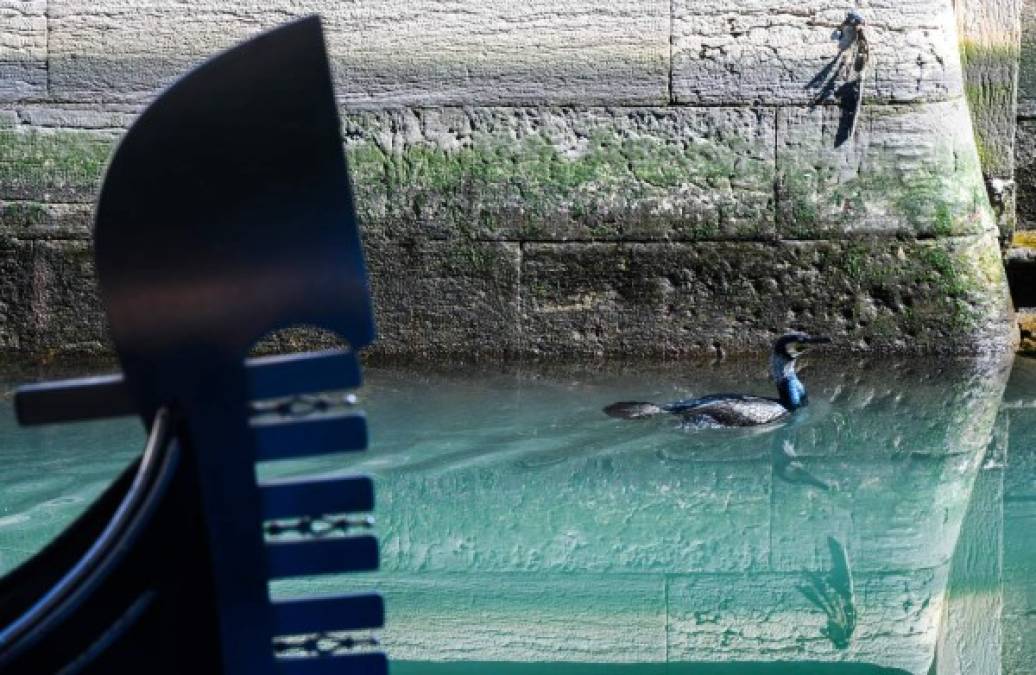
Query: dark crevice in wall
{"points": [[776, 167], [672, 38], [46, 14]]}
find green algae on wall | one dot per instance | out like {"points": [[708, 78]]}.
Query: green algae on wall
{"points": [[926, 201], [990, 64], [484, 229], [52, 165], [548, 174], [937, 295], [909, 171]]}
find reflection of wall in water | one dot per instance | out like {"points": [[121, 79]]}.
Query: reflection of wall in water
{"points": [[693, 549]]}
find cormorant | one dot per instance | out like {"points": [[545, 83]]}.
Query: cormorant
{"points": [[738, 410]]}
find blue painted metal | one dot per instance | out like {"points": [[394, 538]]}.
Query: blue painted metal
{"points": [[321, 556], [102, 396], [316, 496], [288, 438], [339, 612], [293, 374], [225, 214], [86, 398]]}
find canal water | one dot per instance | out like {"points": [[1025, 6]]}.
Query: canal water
{"points": [[888, 527]]}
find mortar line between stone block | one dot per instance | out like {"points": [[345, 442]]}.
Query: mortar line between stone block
{"points": [[46, 47], [672, 38], [519, 296], [776, 149], [870, 238]]}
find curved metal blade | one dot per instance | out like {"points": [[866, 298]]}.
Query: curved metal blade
{"points": [[226, 212]]}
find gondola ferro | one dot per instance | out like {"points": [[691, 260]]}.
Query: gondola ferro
{"points": [[225, 214]]}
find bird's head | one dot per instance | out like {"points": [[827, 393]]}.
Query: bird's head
{"points": [[786, 349], [792, 345]]}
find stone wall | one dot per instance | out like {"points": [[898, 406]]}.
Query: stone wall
{"points": [[990, 34], [1026, 143], [558, 177]]}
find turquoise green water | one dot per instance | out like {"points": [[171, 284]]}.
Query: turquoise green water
{"points": [[885, 528]]}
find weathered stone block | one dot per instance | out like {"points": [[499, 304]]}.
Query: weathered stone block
{"points": [[774, 52], [65, 314], [41, 220], [1027, 62], [112, 119], [911, 170], [769, 617], [1025, 173], [23, 49], [436, 298], [664, 299], [52, 165], [564, 173], [989, 36], [425, 52], [13, 292], [49, 299]]}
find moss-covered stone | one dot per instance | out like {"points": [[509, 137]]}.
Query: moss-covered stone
{"points": [[48, 302], [565, 231], [668, 299], [52, 165], [976, 53], [1025, 173], [564, 174], [904, 174], [42, 220]]}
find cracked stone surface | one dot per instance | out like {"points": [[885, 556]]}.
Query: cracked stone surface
{"points": [[385, 51], [644, 299], [909, 171], [1025, 156], [773, 52], [23, 49], [564, 174], [1027, 65]]}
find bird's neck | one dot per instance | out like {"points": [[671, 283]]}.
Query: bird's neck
{"points": [[792, 392]]}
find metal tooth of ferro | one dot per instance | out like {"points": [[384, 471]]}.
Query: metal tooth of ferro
{"points": [[324, 644], [301, 406], [319, 527]]}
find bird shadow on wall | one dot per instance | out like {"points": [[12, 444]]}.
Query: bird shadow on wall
{"points": [[845, 94], [841, 79]]}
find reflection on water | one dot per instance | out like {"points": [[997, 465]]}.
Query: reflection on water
{"points": [[520, 524]]}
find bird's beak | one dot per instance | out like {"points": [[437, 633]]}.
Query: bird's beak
{"points": [[818, 340]]}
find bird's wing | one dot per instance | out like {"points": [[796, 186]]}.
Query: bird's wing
{"points": [[688, 404], [736, 410]]}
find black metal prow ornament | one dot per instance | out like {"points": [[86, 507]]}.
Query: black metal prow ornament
{"points": [[226, 213]]}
